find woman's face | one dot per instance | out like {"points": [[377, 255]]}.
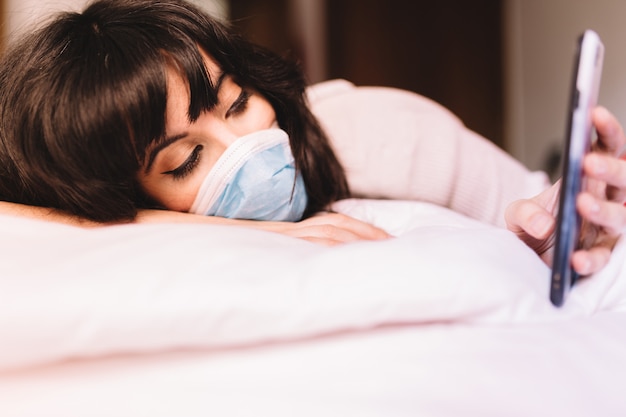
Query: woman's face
{"points": [[175, 168]]}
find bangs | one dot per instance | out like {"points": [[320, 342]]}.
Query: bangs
{"points": [[140, 95], [188, 63], [125, 75]]}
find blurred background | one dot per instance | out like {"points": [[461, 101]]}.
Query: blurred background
{"points": [[503, 66]]}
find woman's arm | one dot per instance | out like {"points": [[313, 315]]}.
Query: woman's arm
{"points": [[399, 145], [45, 214], [325, 228]]}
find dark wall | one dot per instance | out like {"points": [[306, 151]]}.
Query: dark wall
{"points": [[265, 22], [448, 50]]}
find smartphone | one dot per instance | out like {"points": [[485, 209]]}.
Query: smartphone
{"points": [[583, 98]]}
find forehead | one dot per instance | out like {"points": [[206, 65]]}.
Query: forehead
{"points": [[212, 67], [174, 68], [178, 86]]}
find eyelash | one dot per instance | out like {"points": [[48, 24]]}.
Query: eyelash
{"points": [[240, 104], [188, 166]]}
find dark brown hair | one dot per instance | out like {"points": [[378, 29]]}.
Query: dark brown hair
{"points": [[83, 97]]}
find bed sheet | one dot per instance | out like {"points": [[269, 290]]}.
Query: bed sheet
{"points": [[70, 292], [450, 317], [575, 368]]}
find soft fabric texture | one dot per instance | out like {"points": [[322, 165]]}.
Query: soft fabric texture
{"points": [[396, 144], [159, 287]]}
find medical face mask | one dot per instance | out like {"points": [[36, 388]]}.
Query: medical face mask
{"points": [[255, 178]]}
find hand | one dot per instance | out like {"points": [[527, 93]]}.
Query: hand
{"points": [[600, 205], [323, 228], [327, 229]]}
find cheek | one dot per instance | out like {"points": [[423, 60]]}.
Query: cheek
{"points": [[263, 113], [179, 200], [171, 194]]}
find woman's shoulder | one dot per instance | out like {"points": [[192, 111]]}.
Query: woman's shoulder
{"points": [[340, 94], [326, 89]]}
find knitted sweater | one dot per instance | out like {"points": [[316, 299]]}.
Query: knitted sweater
{"points": [[395, 144]]}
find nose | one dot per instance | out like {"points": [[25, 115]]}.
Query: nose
{"points": [[225, 135]]}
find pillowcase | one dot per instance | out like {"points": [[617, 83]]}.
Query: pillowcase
{"points": [[69, 292]]}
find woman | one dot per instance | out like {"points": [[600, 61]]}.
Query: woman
{"points": [[99, 109], [131, 104]]}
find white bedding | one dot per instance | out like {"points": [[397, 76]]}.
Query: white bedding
{"points": [[574, 369], [449, 318]]}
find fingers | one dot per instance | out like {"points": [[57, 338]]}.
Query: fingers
{"points": [[610, 133], [605, 165], [587, 262], [324, 228], [533, 224], [529, 217], [535, 216], [326, 234], [601, 205], [609, 215], [606, 168], [327, 229], [339, 228]]}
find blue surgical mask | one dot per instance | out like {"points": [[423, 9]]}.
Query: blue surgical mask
{"points": [[255, 178]]}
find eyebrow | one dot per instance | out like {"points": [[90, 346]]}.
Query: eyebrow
{"points": [[159, 147], [154, 152]]}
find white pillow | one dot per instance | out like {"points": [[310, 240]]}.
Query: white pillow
{"points": [[69, 292]]}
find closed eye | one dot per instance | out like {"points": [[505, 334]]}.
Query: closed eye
{"points": [[240, 104], [188, 166]]}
